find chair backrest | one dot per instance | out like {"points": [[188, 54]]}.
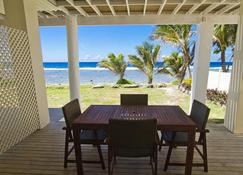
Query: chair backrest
{"points": [[132, 138], [134, 99], [199, 114], [71, 111]]}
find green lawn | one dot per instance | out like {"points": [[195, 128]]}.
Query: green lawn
{"points": [[59, 95]]}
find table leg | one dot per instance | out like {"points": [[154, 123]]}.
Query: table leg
{"points": [[78, 153], [190, 151]]}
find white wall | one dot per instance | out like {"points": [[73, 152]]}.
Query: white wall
{"points": [[219, 80]]}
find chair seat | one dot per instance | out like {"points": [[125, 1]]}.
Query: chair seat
{"points": [[88, 136], [180, 137]]}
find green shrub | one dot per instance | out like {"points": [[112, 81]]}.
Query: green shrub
{"points": [[217, 97], [123, 81]]}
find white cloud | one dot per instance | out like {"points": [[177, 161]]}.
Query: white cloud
{"points": [[89, 57]]}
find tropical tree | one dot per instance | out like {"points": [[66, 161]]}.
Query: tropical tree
{"points": [[224, 37], [116, 64], [146, 58], [181, 36], [172, 65]]}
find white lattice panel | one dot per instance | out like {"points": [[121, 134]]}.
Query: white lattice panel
{"points": [[18, 106]]}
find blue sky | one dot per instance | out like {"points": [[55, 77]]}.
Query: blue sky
{"points": [[96, 42]]}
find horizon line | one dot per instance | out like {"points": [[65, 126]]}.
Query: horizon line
{"points": [[99, 61]]}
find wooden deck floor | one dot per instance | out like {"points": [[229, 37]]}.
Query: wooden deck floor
{"points": [[42, 153]]}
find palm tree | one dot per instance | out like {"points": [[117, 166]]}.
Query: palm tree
{"points": [[116, 64], [146, 58], [224, 37], [172, 65], [181, 36]]}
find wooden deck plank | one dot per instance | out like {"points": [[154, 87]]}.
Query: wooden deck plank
{"points": [[42, 153]]}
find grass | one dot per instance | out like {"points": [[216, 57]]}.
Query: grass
{"points": [[59, 95]]}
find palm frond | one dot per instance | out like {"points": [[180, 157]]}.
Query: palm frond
{"points": [[114, 63], [146, 58]]}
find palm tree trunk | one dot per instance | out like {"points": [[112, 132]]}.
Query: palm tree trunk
{"points": [[223, 60], [189, 71], [150, 79], [185, 66], [121, 76], [183, 73]]}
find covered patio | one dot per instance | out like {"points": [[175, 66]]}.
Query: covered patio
{"points": [[42, 153], [31, 140]]}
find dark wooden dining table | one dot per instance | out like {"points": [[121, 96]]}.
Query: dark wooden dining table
{"points": [[169, 118]]}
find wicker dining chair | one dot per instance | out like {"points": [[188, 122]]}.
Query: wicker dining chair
{"points": [[134, 99], [132, 138], [95, 137], [199, 114]]}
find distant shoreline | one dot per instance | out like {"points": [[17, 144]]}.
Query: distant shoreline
{"points": [[94, 65]]}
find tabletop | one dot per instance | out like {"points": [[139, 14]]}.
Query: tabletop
{"points": [[168, 117]]}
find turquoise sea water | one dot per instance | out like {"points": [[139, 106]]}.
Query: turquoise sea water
{"points": [[57, 73]]}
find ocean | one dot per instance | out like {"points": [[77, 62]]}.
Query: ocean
{"points": [[57, 73]]}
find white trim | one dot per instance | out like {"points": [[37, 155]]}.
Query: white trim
{"points": [[140, 20]]}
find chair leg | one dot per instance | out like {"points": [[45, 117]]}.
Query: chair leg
{"points": [[160, 147], [168, 157], [66, 150], [156, 162], [161, 142], [109, 161], [101, 157], [205, 155]]}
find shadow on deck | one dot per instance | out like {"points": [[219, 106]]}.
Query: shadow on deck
{"points": [[42, 153]]}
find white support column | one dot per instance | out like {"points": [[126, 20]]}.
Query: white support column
{"points": [[234, 118], [73, 59], [32, 25], [202, 61]]}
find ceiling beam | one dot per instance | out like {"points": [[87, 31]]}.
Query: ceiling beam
{"points": [[211, 7], [236, 11], [195, 7], [226, 8], [79, 9], [64, 10], [145, 6], [52, 13], [41, 15], [111, 7], [97, 11], [178, 7], [53, 4], [161, 7], [139, 2], [128, 8]]}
